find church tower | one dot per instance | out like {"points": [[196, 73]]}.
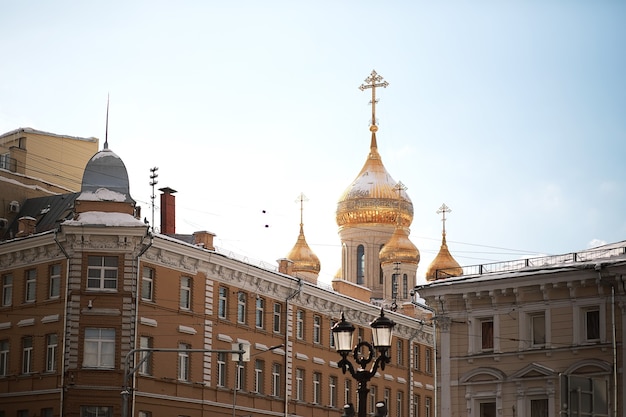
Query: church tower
{"points": [[444, 265], [305, 263], [374, 211]]}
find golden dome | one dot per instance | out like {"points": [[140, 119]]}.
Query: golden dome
{"points": [[399, 248], [444, 265], [373, 196], [304, 260]]}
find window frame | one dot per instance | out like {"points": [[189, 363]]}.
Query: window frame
{"points": [[222, 302], [300, 324], [147, 283], [54, 282], [52, 347], [317, 329], [417, 355], [101, 342], [332, 391], [4, 357], [27, 355], [186, 292], [299, 391], [241, 307], [259, 313], [221, 369], [30, 285], [277, 318], [259, 372], [145, 342], [7, 290], [102, 269], [317, 388], [183, 373], [276, 378]]}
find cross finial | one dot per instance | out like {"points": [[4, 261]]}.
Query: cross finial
{"points": [[301, 199], [399, 187], [443, 210], [373, 81]]}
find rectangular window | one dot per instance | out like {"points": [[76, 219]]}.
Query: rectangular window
{"points": [[54, 284], [7, 290], [99, 350], [277, 313], [145, 357], [102, 273], [416, 357], [183, 362], [428, 361], [400, 352], [241, 307], [47, 412], [240, 382], [592, 324], [52, 345], [317, 389], [387, 397], [371, 407], [259, 367], [487, 409], [539, 407], [147, 284], [185, 293], [276, 385], [428, 407], [486, 334], [399, 403], [317, 329], [299, 384], [221, 369], [416, 405], [347, 391], [300, 324], [538, 329], [331, 338], [222, 302], [332, 391], [27, 355], [4, 357], [95, 411], [259, 313], [405, 286], [31, 286]]}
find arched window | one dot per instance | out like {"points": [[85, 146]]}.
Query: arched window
{"points": [[360, 264]]}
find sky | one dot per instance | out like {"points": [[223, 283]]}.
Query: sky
{"points": [[511, 113]]}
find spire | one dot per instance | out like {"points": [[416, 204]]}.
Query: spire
{"points": [[106, 131], [305, 262], [373, 81]]}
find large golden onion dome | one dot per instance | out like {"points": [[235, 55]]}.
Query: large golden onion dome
{"points": [[399, 248], [304, 260], [444, 265], [373, 197]]}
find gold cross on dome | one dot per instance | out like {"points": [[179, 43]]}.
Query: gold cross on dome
{"points": [[373, 81], [443, 210], [301, 199]]}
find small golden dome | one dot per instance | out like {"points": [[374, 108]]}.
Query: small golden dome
{"points": [[304, 260], [444, 265], [399, 248], [373, 197]]}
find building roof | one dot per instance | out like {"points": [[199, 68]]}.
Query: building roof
{"points": [[49, 211]]}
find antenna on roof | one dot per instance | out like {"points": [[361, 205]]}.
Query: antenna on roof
{"points": [[153, 182], [106, 131]]}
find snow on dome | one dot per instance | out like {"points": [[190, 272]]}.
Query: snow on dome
{"points": [[105, 170], [102, 194]]}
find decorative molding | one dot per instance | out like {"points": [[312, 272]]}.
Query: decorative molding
{"points": [[26, 322]]}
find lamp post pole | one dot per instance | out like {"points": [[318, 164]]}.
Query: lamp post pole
{"points": [[382, 333]]}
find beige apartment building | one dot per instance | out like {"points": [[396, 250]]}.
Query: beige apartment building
{"points": [[540, 337]]}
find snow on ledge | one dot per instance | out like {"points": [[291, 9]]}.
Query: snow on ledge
{"points": [[102, 194], [105, 219]]}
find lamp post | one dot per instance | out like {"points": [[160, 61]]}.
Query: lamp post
{"points": [[381, 333]]}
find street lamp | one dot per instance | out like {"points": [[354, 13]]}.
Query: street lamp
{"points": [[381, 333]]}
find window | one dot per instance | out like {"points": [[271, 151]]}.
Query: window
{"points": [[317, 389], [331, 338], [405, 286], [428, 407], [240, 381], [416, 405], [102, 273], [147, 284], [185, 293], [4, 357], [99, 351], [386, 397], [222, 302], [22, 413], [317, 329], [221, 369], [95, 411], [592, 324], [486, 334], [259, 367], [539, 407], [47, 412], [394, 287], [399, 402], [7, 290], [332, 391], [259, 312], [55, 281], [300, 324], [30, 286], [583, 396], [538, 329], [183, 362], [416, 357], [360, 265], [400, 352], [347, 392], [487, 409], [145, 414], [277, 314], [299, 384], [428, 361], [276, 385], [52, 345], [145, 357], [241, 307], [371, 406], [27, 355]]}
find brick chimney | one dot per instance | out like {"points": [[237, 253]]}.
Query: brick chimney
{"points": [[25, 226], [204, 239], [285, 266], [168, 211]]}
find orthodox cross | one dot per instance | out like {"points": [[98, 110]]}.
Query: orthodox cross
{"points": [[399, 187], [443, 210], [373, 81], [301, 199]]}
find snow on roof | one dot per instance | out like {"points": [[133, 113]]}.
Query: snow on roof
{"points": [[105, 153], [105, 219], [102, 194]]}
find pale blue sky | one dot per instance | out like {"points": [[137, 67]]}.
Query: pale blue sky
{"points": [[512, 113]]}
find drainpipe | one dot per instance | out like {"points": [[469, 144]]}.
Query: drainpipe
{"points": [[432, 310], [287, 350], [614, 351], [65, 304]]}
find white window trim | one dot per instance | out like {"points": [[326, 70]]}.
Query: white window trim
{"points": [[579, 323], [474, 344], [525, 328]]}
